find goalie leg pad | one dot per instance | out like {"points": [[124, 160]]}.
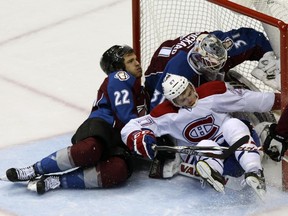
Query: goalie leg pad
{"points": [[171, 167], [156, 168], [165, 167]]}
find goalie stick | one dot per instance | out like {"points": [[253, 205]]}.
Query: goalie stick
{"points": [[196, 150]]}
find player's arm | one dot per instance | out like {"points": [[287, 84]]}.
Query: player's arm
{"points": [[239, 100], [138, 135], [248, 44]]}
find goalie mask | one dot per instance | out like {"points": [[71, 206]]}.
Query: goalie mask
{"points": [[113, 58], [174, 86], [208, 55]]}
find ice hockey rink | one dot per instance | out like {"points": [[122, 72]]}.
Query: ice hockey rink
{"points": [[49, 76]]}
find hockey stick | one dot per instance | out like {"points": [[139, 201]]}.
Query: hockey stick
{"points": [[196, 150]]}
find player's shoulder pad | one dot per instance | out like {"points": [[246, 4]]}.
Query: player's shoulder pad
{"points": [[211, 88], [121, 79], [164, 108]]}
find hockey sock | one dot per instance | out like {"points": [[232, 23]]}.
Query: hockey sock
{"points": [[56, 162]]}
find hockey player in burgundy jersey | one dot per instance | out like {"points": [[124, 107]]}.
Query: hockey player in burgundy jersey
{"points": [[202, 57], [201, 117], [100, 157]]}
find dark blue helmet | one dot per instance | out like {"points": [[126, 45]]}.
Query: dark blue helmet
{"points": [[113, 58]]}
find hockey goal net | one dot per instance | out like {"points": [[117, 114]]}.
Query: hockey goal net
{"points": [[155, 21]]}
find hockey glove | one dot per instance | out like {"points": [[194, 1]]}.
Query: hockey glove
{"points": [[268, 70], [141, 142], [157, 165], [275, 145], [269, 65]]}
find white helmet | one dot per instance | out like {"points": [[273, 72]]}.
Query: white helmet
{"points": [[208, 54], [173, 86]]}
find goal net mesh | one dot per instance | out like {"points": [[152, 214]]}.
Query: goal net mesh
{"points": [[155, 21], [167, 19]]}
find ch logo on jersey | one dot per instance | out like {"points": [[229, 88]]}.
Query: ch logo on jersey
{"points": [[122, 75], [200, 129]]}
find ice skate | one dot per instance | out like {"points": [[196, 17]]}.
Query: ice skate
{"points": [[214, 178], [256, 181], [20, 174], [44, 184]]}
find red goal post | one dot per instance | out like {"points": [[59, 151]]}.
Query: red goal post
{"points": [[155, 21]]}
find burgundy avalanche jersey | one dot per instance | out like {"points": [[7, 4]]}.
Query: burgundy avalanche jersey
{"points": [[121, 97], [171, 57]]}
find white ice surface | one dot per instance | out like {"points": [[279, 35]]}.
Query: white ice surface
{"points": [[139, 196], [49, 76]]}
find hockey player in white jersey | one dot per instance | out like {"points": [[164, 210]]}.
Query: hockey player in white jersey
{"points": [[200, 117]]}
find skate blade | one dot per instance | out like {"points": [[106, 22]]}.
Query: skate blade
{"points": [[4, 178], [253, 183], [32, 185]]}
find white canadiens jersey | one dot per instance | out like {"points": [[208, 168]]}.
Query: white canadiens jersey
{"points": [[191, 125]]}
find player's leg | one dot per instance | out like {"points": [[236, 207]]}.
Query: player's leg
{"points": [[211, 169], [250, 161], [86, 152], [105, 174]]}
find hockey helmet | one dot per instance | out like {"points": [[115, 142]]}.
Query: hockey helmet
{"points": [[208, 54], [173, 86], [113, 58]]}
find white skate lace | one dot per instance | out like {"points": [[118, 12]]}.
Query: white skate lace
{"points": [[51, 182], [26, 173]]}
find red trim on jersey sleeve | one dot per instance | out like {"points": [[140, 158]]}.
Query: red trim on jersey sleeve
{"points": [[211, 88], [164, 108]]}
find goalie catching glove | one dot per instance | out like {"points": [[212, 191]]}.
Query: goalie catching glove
{"points": [[141, 142], [268, 70], [275, 145]]}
